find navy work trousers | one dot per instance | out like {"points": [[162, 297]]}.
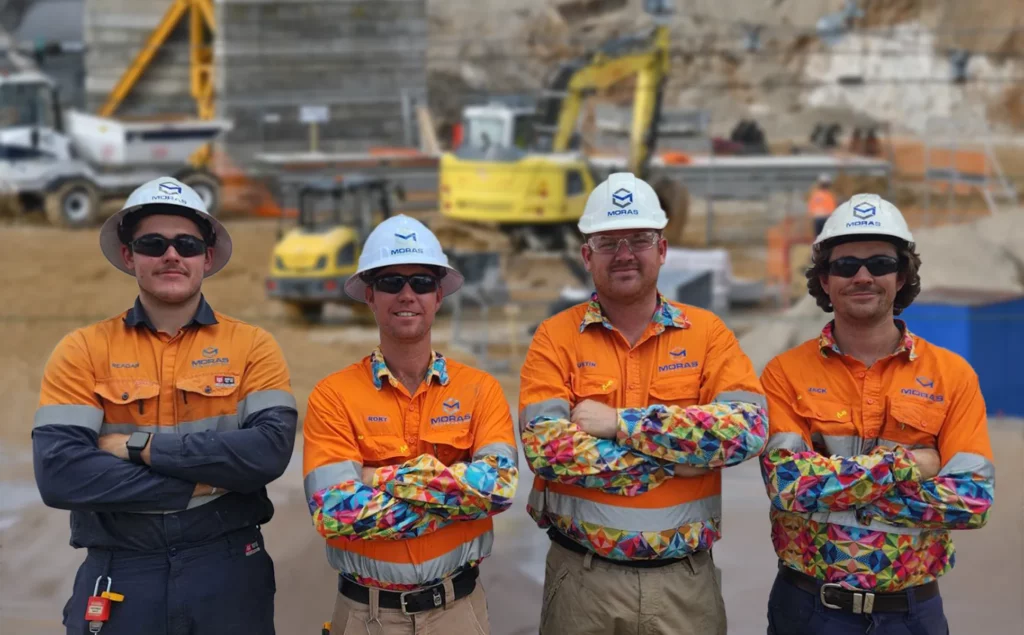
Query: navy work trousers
{"points": [[793, 611], [224, 587]]}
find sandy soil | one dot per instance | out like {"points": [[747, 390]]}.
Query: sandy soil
{"points": [[77, 286]]}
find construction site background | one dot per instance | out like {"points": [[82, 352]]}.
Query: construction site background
{"points": [[940, 82]]}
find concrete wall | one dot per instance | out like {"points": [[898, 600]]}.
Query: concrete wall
{"points": [[353, 56], [115, 32]]}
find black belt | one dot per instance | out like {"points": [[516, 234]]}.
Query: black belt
{"points": [[836, 597], [570, 544], [417, 601]]}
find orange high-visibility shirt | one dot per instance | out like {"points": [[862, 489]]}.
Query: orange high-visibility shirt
{"points": [[446, 462], [685, 394], [848, 504], [821, 203]]}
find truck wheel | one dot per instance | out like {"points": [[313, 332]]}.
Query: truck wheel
{"points": [[75, 204], [206, 186]]}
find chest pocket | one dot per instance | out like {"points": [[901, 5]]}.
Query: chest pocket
{"points": [[913, 423], [129, 400], [449, 436], [676, 390], [833, 430], [600, 388], [209, 401]]}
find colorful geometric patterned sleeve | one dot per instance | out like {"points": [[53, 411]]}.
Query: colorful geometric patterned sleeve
{"points": [[711, 436], [557, 449], [798, 479], [341, 505], [463, 491], [960, 496]]}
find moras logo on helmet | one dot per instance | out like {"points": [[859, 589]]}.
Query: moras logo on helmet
{"points": [[864, 212], [170, 188], [623, 198]]}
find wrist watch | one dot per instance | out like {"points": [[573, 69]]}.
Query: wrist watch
{"points": [[137, 442]]}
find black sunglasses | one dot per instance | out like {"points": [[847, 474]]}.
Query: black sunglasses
{"points": [[848, 266], [154, 245], [393, 283]]}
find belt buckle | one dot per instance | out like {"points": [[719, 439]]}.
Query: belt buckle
{"points": [[863, 601], [437, 597]]}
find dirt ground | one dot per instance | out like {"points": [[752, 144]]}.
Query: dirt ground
{"points": [[75, 285]]}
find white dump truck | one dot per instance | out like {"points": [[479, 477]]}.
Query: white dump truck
{"points": [[67, 163]]}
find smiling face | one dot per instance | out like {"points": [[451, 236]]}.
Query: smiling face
{"points": [[864, 297], [405, 316], [625, 276], [170, 277]]}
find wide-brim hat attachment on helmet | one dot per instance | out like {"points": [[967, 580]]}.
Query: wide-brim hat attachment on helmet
{"points": [[401, 240], [622, 201], [164, 195], [865, 217]]}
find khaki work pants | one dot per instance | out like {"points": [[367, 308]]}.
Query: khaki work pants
{"points": [[584, 595], [467, 616]]}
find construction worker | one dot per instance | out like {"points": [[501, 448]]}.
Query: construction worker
{"points": [[879, 444], [159, 430], [821, 202], [630, 405], [407, 455]]}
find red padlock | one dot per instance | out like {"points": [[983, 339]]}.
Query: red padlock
{"points": [[97, 608]]}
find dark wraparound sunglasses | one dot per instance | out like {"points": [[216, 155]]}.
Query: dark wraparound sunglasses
{"points": [[421, 283], [154, 245], [848, 266]]}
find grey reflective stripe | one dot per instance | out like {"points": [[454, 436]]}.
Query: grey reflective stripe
{"points": [[262, 399], [331, 474], [69, 415], [849, 518], [536, 500], [395, 573], [555, 408], [969, 462], [195, 501], [838, 445], [886, 443], [744, 396], [222, 423], [791, 441], [510, 452], [634, 518]]}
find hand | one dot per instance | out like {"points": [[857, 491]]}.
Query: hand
{"points": [[689, 471], [116, 444], [928, 462], [595, 418], [368, 475], [202, 489]]}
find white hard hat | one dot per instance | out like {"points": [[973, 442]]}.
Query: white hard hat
{"points": [[824, 177], [863, 217], [622, 201], [167, 196], [401, 240]]}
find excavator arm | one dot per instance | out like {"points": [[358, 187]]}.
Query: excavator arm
{"points": [[645, 57]]}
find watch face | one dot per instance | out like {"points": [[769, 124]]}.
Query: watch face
{"points": [[137, 440]]}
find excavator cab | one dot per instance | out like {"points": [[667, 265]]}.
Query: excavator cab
{"points": [[312, 259]]}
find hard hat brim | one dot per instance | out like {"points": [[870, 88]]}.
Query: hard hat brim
{"points": [[452, 281], [110, 242]]}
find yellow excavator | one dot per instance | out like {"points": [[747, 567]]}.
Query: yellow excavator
{"points": [[519, 169]]}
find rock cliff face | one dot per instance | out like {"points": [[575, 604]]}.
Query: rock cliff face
{"points": [[781, 61]]}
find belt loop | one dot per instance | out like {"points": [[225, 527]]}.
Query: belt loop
{"points": [[374, 605], [449, 593], [588, 561], [688, 561]]}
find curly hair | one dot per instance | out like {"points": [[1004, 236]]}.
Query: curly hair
{"points": [[910, 263]]}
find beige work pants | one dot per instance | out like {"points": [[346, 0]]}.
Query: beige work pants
{"points": [[467, 616], [584, 595]]}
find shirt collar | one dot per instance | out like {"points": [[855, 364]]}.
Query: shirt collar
{"points": [[666, 315], [136, 316], [827, 340], [438, 369]]}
